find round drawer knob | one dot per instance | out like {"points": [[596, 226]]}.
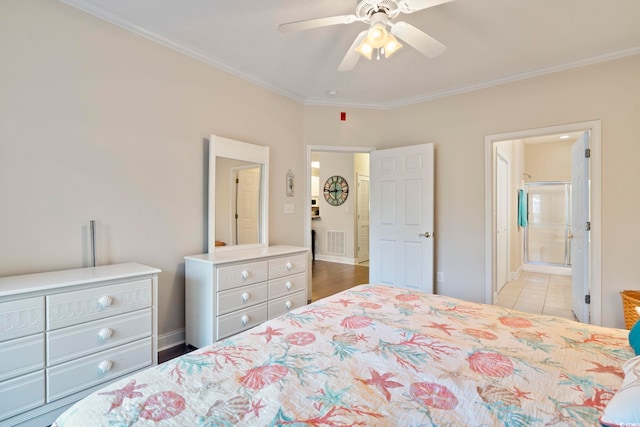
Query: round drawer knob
{"points": [[105, 333], [105, 366], [288, 305], [289, 285], [289, 266], [244, 275], [245, 296], [105, 301], [245, 319]]}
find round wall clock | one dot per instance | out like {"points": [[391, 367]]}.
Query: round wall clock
{"points": [[336, 190]]}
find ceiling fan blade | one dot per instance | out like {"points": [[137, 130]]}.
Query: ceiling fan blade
{"points": [[410, 6], [316, 23], [352, 56], [419, 40]]}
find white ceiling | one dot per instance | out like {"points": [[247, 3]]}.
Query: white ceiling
{"points": [[488, 42]]}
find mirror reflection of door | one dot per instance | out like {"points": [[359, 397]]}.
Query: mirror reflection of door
{"points": [[242, 199], [246, 200]]}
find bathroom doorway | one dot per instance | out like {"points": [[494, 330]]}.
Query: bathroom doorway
{"points": [[588, 284]]}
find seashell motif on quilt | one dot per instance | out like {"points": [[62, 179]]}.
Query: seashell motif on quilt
{"points": [[232, 411]]}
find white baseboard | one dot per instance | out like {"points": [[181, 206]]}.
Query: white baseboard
{"points": [[341, 260], [171, 339], [515, 274], [547, 269]]}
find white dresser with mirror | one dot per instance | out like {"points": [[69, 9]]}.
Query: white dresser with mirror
{"points": [[241, 281]]}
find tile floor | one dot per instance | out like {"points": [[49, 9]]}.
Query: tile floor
{"points": [[538, 293]]}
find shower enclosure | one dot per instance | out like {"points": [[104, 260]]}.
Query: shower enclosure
{"points": [[549, 219]]}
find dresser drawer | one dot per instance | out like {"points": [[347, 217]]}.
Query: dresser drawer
{"points": [[21, 356], [285, 266], [77, 375], [21, 394], [239, 298], [72, 308], [232, 276], [286, 303], [287, 285], [21, 318], [80, 340], [239, 321]]}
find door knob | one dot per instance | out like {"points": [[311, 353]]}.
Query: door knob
{"points": [[569, 236], [425, 234]]}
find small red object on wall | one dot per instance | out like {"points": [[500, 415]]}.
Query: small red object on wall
{"points": [[343, 116]]}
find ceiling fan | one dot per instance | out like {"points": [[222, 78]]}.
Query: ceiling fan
{"points": [[380, 37]]}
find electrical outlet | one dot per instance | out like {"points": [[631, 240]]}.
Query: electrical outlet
{"points": [[440, 277]]}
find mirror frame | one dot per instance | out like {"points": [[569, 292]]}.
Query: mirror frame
{"points": [[237, 150]]}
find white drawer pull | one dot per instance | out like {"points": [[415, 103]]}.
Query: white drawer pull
{"points": [[288, 285], [288, 305], [244, 275], [105, 333], [105, 366], [289, 266], [245, 296], [245, 319], [105, 301]]}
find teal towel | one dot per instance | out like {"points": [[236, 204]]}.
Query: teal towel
{"points": [[522, 208]]}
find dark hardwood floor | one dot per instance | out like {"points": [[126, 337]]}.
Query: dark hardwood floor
{"points": [[327, 278], [173, 352]]}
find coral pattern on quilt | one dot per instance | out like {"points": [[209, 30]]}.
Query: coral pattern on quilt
{"points": [[378, 356]]}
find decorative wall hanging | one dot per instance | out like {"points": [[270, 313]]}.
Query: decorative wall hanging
{"points": [[336, 190], [289, 183]]}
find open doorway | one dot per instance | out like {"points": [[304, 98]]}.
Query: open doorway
{"points": [[542, 243], [337, 233]]}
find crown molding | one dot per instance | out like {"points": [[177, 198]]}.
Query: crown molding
{"points": [[196, 54], [183, 48], [516, 77]]}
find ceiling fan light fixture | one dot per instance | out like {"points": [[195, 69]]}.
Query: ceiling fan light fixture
{"points": [[365, 49], [378, 35], [392, 46], [378, 39]]}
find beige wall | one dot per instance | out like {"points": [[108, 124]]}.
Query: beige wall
{"points": [[335, 218], [97, 123], [457, 125], [549, 161]]}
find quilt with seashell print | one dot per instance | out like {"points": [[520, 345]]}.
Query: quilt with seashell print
{"points": [[376, 355]]}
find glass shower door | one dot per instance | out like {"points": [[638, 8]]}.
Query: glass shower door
{"points": [[549, 220]]}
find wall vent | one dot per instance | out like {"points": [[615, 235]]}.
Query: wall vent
{"points": [[335, 242]]}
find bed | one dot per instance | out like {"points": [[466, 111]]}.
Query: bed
{"points": [[377, 356]]}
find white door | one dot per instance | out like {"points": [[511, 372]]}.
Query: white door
{"points": [[362, 218], [401, 217], [247, 213], [502, 213], [578, 230]]}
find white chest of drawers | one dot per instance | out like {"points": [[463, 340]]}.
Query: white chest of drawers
{"points": [[66, 333], [229, 292]]}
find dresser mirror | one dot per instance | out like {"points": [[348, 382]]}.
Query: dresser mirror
{"points": [[238, 195]]}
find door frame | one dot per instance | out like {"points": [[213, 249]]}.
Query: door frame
{"points": [[595, 265], [307, 192]]}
